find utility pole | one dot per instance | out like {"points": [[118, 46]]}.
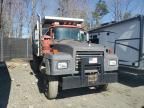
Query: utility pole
{"points": [[10, 20], [1, 31], [1, 4], [33, 14]]}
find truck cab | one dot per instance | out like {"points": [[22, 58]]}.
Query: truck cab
{"points": [[67, 59]]}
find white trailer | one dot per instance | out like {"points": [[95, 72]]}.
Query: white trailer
{"points": [[127, 40]]}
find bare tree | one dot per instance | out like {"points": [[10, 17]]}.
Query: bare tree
{"points": [[6, 17], [1, 10], [19, 16], [14, 16], [120, 9], [73, 8]]}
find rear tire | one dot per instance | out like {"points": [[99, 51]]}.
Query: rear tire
{"points": [[52, 88]]}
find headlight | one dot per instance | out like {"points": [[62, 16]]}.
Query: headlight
{"points": [[112, 62], [62, 65]]}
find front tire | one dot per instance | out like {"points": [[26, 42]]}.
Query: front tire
{"points": [[52, 88]]}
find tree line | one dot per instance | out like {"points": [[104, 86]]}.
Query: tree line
{"points": [[17, 17]]}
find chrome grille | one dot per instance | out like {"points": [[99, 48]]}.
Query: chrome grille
{"points": [[80, 54]]}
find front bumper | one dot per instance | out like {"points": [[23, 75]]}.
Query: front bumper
{"points": [[69, 82]]}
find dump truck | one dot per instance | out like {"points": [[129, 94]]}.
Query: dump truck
{"points": [[67, 59]]}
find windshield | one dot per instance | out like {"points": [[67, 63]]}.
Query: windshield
{"points": [[44, 31], [62, 33]]}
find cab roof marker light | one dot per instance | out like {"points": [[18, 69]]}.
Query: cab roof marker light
{"points": [[56, 23], [78, 25], [64, 19]]}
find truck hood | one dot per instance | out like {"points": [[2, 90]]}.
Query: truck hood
{"points": [[70, 46]]}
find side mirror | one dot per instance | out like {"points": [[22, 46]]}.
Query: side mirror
{"points": [[87, 37], [84, 36], [36, 35]]}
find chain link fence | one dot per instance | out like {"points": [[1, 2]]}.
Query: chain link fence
{"points": [[15, 48]]}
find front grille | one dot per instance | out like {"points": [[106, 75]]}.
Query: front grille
{"points": [[88, 54]]}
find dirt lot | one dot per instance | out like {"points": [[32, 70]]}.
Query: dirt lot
{"points": [[21, 88]]}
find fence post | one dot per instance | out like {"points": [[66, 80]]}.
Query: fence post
{"points": [[1, 49], [27, 48]]}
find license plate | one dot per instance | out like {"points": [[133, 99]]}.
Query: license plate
{"points": [[93, 60], [92, 79]]}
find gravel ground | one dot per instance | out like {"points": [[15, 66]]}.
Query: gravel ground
{"points": [[20, 88]]}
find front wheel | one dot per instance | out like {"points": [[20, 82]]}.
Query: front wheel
{"points": [[52, 88]]}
